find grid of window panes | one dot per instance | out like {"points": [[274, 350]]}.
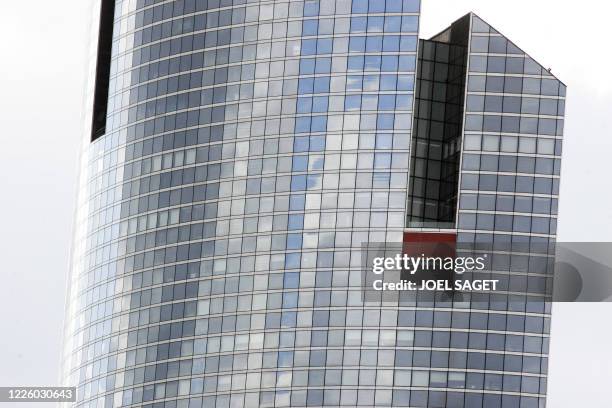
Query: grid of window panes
{"points": [[497, 346], [509, 187], [251, 148], [512, 149]]}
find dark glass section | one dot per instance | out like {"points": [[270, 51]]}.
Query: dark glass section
{"points": [[438, 119], [105, 42]]}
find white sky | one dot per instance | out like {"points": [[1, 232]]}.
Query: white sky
{"points": [[42, 68]]}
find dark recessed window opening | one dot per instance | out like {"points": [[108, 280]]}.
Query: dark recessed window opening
{"points": [[105, 42], [438, 118]]}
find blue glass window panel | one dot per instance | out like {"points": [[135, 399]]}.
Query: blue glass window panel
{"points": [[292, 260], [404, 102], [297, 202], [403, 123], [309, 47], [385, 121], [384, 141], [391, 43], [318, 163], [410, 24], [522, 224], [550, 87], [540, 225], [285, 358], [295, 222], [386, 102], [357, 44], [374, 43], [305, 85], [405, 82], [317, 143], [547, 127], [496, 64], [294, 241], [548, 106], [313, 181], [388, 82], [352, 102], [319, 104], [302, 125], [370, 82], [372, 63], [411, 6], [478, 63], [311, 8], [360, 6], [393, 24], [488, 182], [492, 123], [307, 66], [514, 65], [300, 144], [323, 65], [377, 6], [290, 298], [321, 84], [376, 24], [407, 62], [560, 123], [408, 43], [319, 124], [529, 125], [473, 122], [497, 45], [298, 182], [288, 319], [369, 102], [382, 160], [300, 163], [310, 27], [389, 63], [304, 105], [355, 63], [353, 83], [531, 85], [359, 24], [291, 280], [324, 46], [393, 6]]}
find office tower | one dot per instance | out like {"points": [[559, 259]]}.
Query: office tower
{"points": [[238, 154]]}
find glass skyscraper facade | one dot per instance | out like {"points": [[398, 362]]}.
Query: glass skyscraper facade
{"points": [[485, 167], [240, 152]]}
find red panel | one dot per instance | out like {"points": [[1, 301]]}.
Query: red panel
{"points": [[431, 244], [415, 237]]}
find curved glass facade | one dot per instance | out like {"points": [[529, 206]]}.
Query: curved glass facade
{"points": [[248, 149]]}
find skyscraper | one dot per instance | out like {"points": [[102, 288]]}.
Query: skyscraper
{"points": [[240, 152]]}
